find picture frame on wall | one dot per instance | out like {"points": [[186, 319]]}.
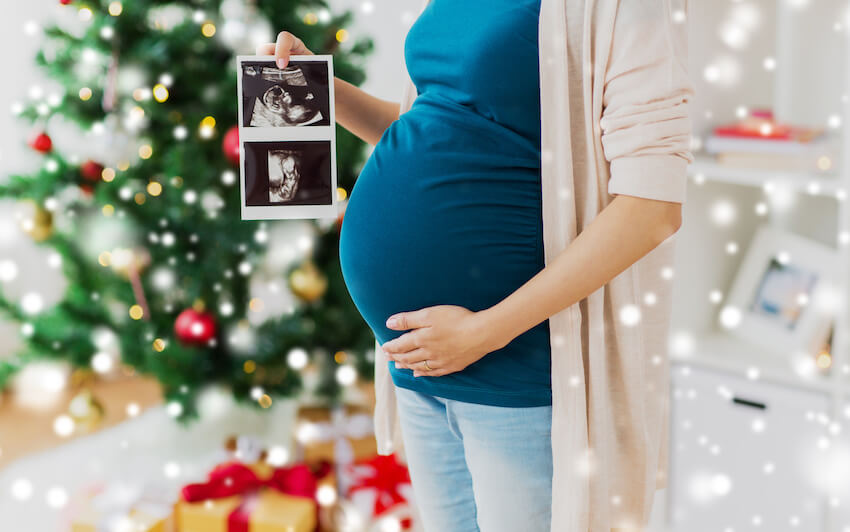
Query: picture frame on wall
{"points": [[287, 138], [784, 294]]}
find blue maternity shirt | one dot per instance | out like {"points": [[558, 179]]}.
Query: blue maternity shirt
{"points": [[447, 209]]}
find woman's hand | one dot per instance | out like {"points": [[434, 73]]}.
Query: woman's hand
{"points": [[287, 44], [449, 337]]}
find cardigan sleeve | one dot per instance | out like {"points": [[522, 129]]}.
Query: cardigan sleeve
{"points": [[645, 123]]}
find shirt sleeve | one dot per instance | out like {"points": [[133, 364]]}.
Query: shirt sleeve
{"points": [[645, 123]]}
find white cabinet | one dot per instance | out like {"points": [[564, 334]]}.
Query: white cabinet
{"points": [[744, 454], [840, 473], [770, 454]]}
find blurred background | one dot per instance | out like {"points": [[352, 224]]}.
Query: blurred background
{"points": [[150, 339]]}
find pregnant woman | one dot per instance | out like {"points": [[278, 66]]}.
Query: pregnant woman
{"points": [[442, 250]]}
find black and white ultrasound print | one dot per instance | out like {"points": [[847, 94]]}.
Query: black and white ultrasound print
{"points": [[293, 96], [284, 174], [297, 174], [287, 137]]}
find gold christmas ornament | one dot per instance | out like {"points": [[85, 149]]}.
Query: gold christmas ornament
{"points": [[40, 226], [86, 411], [307, 282], [82, 377]]}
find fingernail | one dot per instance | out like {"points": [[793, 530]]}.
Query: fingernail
{"points": [[392, 322], [281, 62], [396, 365], [415, 374]]}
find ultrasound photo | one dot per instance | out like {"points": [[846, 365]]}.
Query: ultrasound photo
{"points": [[284, 174], [287, 138], [293, 96], [299, 174]]}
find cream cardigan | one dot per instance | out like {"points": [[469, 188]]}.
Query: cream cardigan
{"points": [[615, 97]]}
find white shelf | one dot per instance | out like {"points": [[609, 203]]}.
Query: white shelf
{"points": [[818, 183], [728, 353], [702, 268]]}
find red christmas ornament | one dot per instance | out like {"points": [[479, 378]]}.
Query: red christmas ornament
{"points": [[91, 170], [65, 2], [193, 327], [41, 142], [230, 145]]}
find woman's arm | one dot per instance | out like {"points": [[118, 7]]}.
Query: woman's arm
{"points": [[622, 233], [451, 337], [361, 113], [356, 110]]}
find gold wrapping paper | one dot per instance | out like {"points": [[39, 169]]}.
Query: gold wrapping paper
{"points": [[275, 512], [88, 518], [315, 451]]}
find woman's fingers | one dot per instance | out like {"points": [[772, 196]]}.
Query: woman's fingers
{"points": [[419, 368], [412, 357], [287, 44], [282, 50], [298, 48]]}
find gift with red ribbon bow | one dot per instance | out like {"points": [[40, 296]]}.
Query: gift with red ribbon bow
{"points": [[240, 497], [380, 488]]}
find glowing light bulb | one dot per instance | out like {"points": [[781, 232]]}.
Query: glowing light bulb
{"points": [[160, 93]]}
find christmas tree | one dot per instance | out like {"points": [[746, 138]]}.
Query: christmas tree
{"points": [[147, 228]]}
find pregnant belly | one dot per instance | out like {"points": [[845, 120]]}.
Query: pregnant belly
{"points": [[440, 218]]}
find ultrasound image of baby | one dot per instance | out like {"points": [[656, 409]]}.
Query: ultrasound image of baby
{"points": [[287, 100], [284, 175]]}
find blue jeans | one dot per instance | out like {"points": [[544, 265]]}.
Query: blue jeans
{"points": [[477, 467]]}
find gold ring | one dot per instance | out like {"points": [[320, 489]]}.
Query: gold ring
{"points": [[427, 366]]}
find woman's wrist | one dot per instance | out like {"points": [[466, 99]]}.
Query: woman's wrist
{"points": [[496, 328]]}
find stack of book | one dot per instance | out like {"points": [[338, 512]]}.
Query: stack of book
{"points": [[759, 141]]}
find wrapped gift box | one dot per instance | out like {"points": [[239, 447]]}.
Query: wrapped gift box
{"points": [[123, 506], [266, 511], [320, 430], [379, 492], [240, 497]]}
